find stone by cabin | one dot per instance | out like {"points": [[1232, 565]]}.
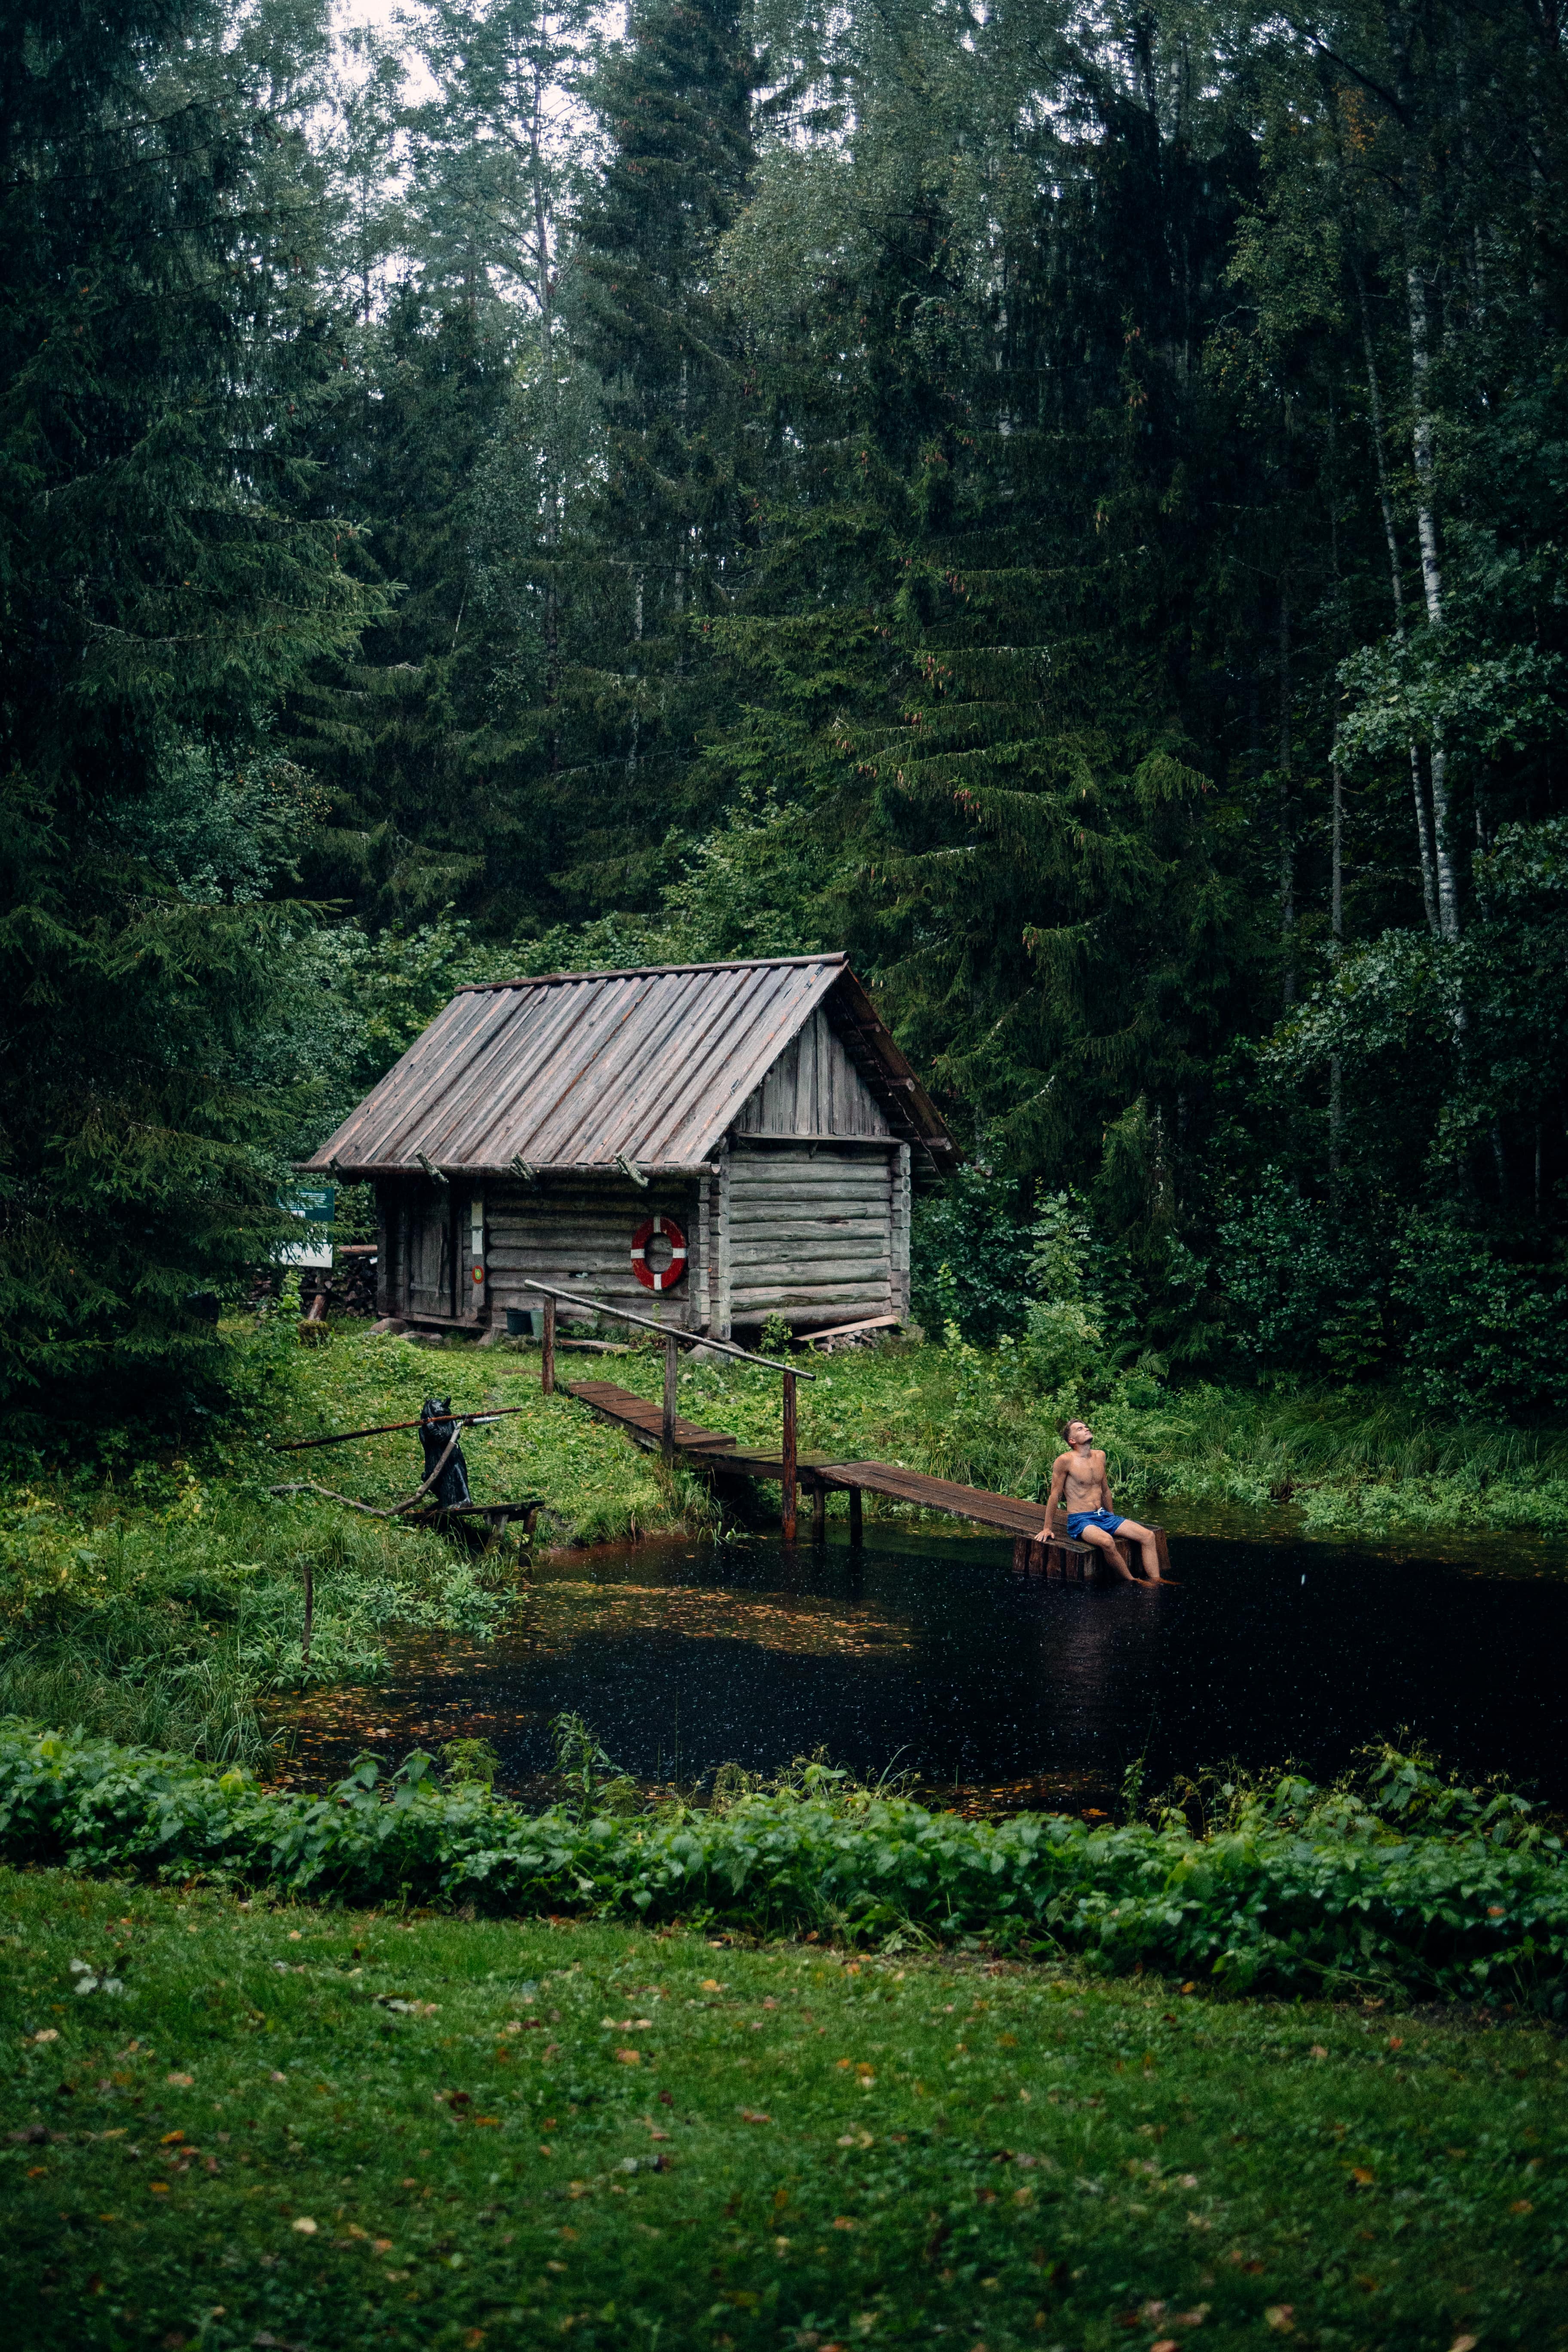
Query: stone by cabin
{"points": [[586, 1128]]}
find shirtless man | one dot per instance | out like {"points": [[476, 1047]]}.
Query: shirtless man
{"points": [[1091, 1519]]}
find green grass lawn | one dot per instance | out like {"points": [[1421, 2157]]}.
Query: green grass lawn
{"points": [[320, 2129]]}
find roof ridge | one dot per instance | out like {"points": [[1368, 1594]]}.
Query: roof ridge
{"points": [[651, 971]]}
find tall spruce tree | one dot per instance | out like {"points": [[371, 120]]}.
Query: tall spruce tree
{"points": [[163, 359], [671, 524]]}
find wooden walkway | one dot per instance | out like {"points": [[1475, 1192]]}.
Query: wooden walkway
{"points": [[1012, 1515], [645, 1422]]}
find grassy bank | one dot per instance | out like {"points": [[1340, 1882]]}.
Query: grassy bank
{"points": [[298, 2127], [165, 1603]]}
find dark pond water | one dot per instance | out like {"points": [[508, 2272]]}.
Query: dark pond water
{"points": [[930, 1651]]}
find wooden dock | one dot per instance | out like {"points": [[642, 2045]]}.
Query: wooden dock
{"points": [[645, 1422], [820, 1474]]}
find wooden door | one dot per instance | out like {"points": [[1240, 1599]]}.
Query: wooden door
{"points": [[429, 1256]]}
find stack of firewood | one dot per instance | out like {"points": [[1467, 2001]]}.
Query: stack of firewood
{"points": [[349, 1287]]}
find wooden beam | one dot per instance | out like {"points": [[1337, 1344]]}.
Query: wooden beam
{"points": [[788, 1450], [553, 1291], [547, 1350]]}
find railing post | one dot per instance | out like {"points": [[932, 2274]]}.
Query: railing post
{"points": [[789, 1459], [547, 1350], [671, 1366]]}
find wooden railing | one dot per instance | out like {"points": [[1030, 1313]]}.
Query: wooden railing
{"points": [[673, 1338]]}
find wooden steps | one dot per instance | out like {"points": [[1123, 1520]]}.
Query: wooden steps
{"points": [[644, 1421]]}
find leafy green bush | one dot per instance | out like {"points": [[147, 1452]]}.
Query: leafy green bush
{"points": [[969, 1254], [1413, 1884], [1485, 1334], [1307, 1290]]}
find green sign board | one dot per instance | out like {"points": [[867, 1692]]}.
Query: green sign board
{"points": [[314, 1202]]}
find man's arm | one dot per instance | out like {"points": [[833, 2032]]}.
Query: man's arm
{"points": [[1058, 1478]]}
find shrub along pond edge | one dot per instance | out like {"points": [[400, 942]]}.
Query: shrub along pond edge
{"points": [[1411, 1884]]}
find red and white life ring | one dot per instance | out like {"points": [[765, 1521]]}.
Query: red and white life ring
{"points": [[666, 1277]]}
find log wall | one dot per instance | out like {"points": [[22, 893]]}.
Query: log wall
{"points": [[812, 1231], [576, 1231]]}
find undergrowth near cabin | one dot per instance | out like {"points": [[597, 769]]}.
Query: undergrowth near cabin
{"points": [[160, 1598]]}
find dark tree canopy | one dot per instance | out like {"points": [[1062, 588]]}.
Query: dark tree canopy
{"points": [[1067, 506]]}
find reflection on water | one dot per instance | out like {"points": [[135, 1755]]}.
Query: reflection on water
{"points": [[931, 1650]]}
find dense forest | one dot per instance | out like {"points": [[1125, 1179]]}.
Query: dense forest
{"points": [[1064, 500]]}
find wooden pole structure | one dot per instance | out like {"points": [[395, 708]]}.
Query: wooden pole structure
{"points": [[789, 1459], [819, 1513], [857, 1517], [647, 1323], [671, 1370], [547, 1350]]}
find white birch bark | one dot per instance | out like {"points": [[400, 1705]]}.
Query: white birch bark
{"points": [[1421, 438], [1396, 582]]}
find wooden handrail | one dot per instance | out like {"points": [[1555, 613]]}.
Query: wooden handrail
{"points": [[665, 1331]]}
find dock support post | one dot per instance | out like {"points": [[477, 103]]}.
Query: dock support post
{"points": [[857, 1517], [547, 1350], [1020, 1555], [671, 1367], [819, 1513], [788, 1450]]}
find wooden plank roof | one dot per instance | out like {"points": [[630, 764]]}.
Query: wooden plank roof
{"points": [[573, 1069]]}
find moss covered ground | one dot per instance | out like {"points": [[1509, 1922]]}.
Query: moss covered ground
{"points": [[304, 2128]]}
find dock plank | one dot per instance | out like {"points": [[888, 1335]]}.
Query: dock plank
{"points": [[646, 1420], [1012, 1512]]}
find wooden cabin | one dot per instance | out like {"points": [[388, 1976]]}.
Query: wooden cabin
{"points": [[709, 1144]]}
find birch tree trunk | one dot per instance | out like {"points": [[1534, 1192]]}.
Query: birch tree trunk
{"points": [[1283, 807], [1337, 934], [1397, 582]]}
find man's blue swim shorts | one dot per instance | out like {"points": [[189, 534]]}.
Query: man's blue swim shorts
{"points": [[1079, 1520]]}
